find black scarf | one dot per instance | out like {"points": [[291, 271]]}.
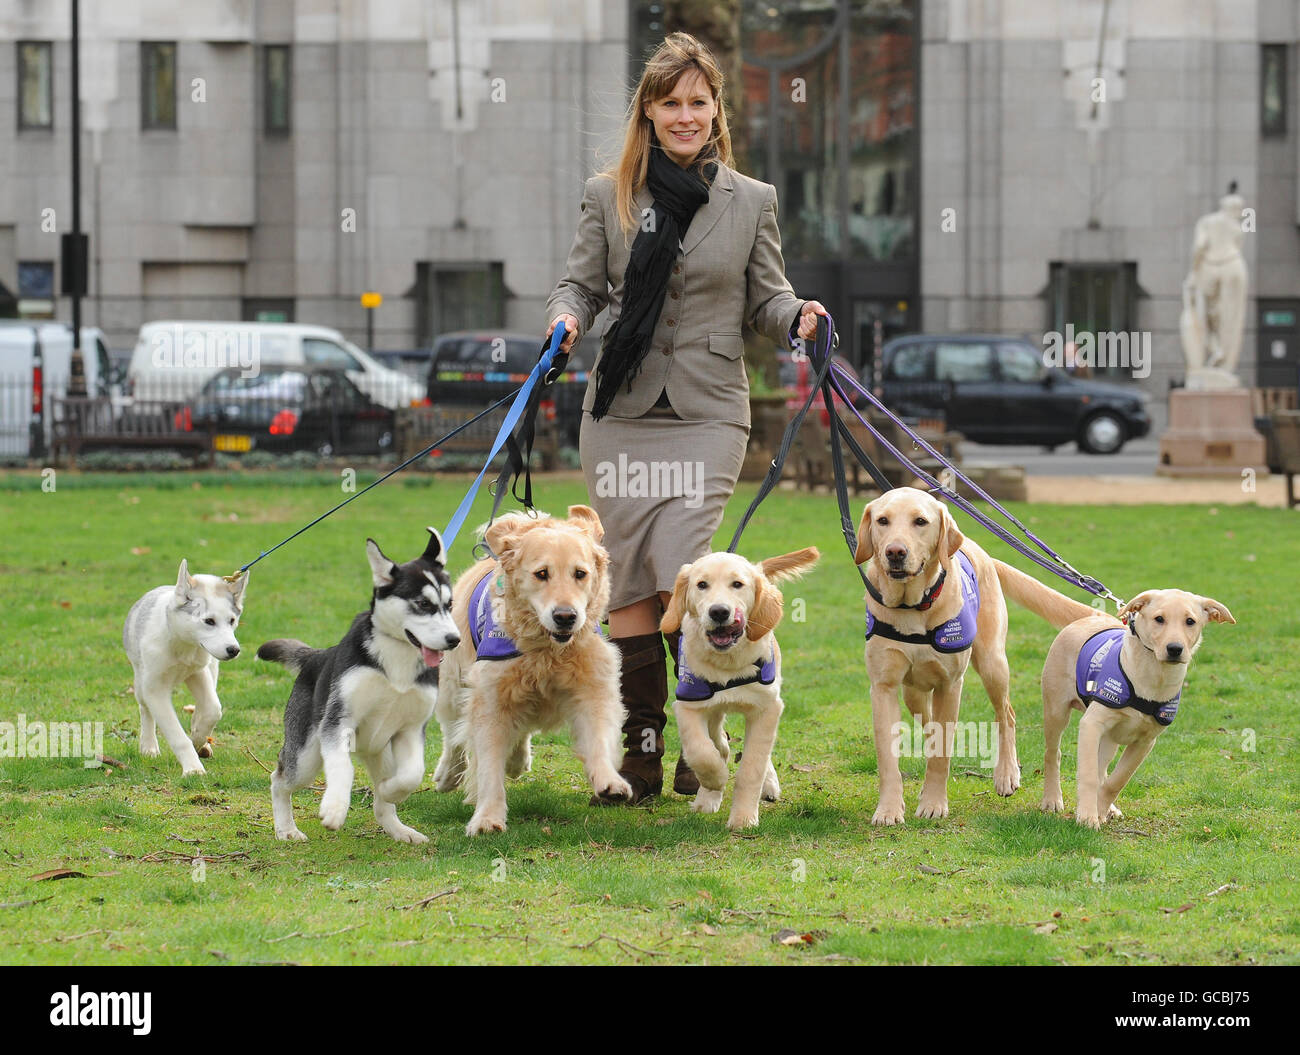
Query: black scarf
{"points": [[678, 193]]}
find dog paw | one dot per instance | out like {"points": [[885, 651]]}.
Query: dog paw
{"points": [[404, 834], [888, 814], [292, 835], [195, 770], [1089, 820], [1006, 783], [205, 747], [333, 814], [150, 750], [482, 823], [932, 808], [738, 821], [617, 788], [771, 788], [707, 801], [447, 778], [1114, 813], [1052, 803]]}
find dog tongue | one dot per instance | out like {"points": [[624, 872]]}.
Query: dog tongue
{"points": [[430, 657]]}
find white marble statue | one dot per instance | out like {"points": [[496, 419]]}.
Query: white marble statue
{"points": [[1214, 298]]}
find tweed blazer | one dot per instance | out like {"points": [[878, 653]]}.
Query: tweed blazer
{"points": [[729, 271]]}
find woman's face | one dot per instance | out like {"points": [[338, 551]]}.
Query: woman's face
{"points": [[683, 119]]}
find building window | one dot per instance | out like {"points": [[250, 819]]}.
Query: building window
{"points": [[1098, 299], [452, 297], [276, 71], [35, 84], [1272, 90], [157, 85], [36, 279]]}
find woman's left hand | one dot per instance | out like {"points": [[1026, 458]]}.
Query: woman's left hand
{"points": [[808, 318]]}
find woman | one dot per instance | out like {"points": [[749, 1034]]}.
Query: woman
{"points": [[684, 251]]}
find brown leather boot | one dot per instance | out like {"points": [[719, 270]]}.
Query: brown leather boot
{"points": [[685, 782], [645, 687]]}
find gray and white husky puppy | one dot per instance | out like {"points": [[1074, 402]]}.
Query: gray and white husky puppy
{"points": [[372, 694], [177, 634]]}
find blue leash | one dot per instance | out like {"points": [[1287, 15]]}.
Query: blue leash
{"points": [[543, 371], [544, 365]]}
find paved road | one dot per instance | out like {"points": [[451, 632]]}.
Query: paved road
{"points": [[1136, 458]]}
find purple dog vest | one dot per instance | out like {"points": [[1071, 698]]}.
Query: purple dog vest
{"points": [[958, 633], [1099, 678], [490, 641], [692, 687]]}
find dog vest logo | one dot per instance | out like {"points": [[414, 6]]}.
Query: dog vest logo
{"points": [[76, 1008]]}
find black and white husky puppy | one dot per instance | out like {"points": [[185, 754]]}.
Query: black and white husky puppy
{"points": [[371, 694]]}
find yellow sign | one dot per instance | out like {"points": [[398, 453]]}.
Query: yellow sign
{"points": [[371, 300]]}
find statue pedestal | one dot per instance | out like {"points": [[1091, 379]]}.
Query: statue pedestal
{"points": [[1211, 433]]}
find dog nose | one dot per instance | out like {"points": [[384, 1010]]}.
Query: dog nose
{"points": [[564, 618], [453, 640], [1173, 650], [896, 552], [232, 651], [719, 613]]}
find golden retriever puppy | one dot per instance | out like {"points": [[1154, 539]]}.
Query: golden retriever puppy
{"points": [[935, 605], [729, 663], [1127, 680], [531, 657]]}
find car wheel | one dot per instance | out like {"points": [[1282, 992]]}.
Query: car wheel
{"points": [[1102, 433]]}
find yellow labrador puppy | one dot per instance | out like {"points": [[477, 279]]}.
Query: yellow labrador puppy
{"points": [[729, 663], [531, 656], [934, 606], [1128, 682]]}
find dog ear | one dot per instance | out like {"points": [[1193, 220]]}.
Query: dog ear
{"points": [[769, 605], [1136, 605], [183, 581], [1216, 612], [952, 536], [434, 549], [789, 565], [588, 519], [501, 538], [672, 620], [382, 570], [865, 548], [237, 586]]}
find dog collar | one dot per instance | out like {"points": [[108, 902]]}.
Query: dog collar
{"points": [[924, 604], [490, 641], [690, 686]]}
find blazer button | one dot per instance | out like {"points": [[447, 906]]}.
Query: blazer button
{"points": [[677, 269], [668, 351], [672, 322], [673, 295]]}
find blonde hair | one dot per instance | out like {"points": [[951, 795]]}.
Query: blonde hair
{"points": [[680, 53]]}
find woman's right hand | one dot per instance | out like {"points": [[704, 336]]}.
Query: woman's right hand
{"points": [[570, 330]]}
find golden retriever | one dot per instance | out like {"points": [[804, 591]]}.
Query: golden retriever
{"points": [[910, 544], [1132, 678], [730, 663], [546, 592]]}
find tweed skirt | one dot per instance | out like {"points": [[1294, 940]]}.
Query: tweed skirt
{"points": [[660, 485]]}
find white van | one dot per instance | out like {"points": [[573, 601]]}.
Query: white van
{"points": [[18, 374], [174, 359]]}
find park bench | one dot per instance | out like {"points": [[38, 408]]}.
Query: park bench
{"points": [[811, 455], [82, 423], [417, 427], [1284, 449]]}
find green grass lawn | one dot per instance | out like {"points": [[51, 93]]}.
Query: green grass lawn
{"points": [[995, 882]]}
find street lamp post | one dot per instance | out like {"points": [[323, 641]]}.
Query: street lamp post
{"points": [[74, 245]]}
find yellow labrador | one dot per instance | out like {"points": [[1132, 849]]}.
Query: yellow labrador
{"points": [[531, 656], [1131, 679], [938, 607], [730, 663]]}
